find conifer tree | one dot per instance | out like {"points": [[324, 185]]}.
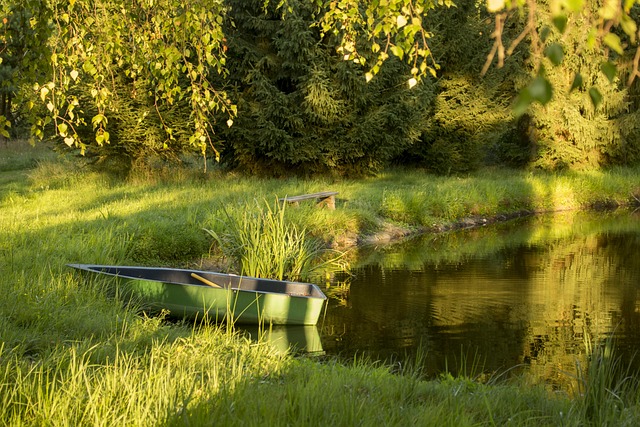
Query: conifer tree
{"points": [[303, 108], [471, 122], [590, 121], [474, 120]]}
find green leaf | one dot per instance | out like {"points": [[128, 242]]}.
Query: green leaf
{"points": [[397, 51], [577, 82], [629, 26], [555, 53], [596, 97], [43, 93], [62, 129], [89, 68], [592, 37], [613, 41], [411, 30], [523, 100], [541, 90], [609, 70], [544, 33], [98, 119], [560, 22], [609, 9], [575, 5], [102, 138]]}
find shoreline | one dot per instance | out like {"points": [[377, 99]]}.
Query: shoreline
{"points": [[392, 233]]}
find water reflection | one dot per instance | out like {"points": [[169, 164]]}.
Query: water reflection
{"points": [[528, 294], [284, 339]]}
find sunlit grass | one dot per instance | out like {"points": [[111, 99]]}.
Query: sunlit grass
{"points": [[263, 243], [73, 353], [128, 379], [424, 200]]}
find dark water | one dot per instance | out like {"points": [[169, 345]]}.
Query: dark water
{"points": [[533, 294]]}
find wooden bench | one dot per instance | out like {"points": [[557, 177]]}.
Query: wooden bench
{"points": [[325, 198]]}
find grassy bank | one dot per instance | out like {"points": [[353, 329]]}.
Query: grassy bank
{"points": [[72, 355]]}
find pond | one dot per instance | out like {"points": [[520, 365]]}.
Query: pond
{"points": [[530, 295]]}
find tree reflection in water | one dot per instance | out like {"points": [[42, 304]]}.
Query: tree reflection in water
{"points": [[528, 294]]}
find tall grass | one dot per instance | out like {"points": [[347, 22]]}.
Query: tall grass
{"points": [[121, 382], [264, 243], [70, 354], [427, 201], [607, 388]]}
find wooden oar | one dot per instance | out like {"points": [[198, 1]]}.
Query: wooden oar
{"points": [[205, 281]]}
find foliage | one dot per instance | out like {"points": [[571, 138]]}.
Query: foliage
{"points": [[473, 121], [570, 130], [23, 45], [609, 28], [394, 27], [398, 27], [571, 81], [327, 86], [302, 108], [470, 121], [95, 56]]}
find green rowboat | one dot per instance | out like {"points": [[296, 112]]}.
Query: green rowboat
{"points": [[241, 299]]}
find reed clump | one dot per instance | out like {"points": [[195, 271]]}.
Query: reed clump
{"points": [[262, 242], [607, 388]]}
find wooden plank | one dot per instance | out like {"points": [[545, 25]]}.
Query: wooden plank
{"points": [[322, 195], [326, 198]]}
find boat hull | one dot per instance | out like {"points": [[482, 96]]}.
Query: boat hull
{"points": [[239, 299]]}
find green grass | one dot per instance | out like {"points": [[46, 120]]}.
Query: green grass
{"points": [[262, 242], [72, 353], [607, 388]]}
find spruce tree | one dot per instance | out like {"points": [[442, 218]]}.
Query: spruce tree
{"points": [[471, 122], [574, 130], [302, 108]]}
